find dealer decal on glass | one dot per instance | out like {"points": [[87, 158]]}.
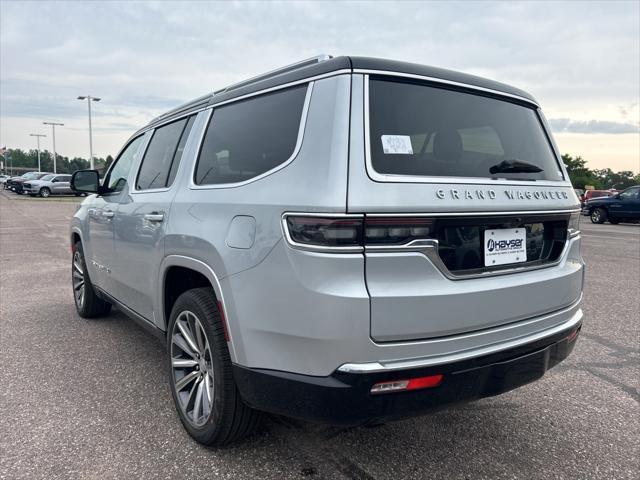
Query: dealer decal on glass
{"points": [[396, 144], [505, 245]]}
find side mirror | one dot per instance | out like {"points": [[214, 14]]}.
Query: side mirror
{"points": [[85, 181]]}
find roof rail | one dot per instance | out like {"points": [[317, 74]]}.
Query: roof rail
{"points": [[276, 72]]}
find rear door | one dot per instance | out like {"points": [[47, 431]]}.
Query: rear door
{"points": [[464, 202], [143, 214]]}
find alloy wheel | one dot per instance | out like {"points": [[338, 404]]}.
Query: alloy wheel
{"points": [[595, 216], [192, 368], [78, 279]]}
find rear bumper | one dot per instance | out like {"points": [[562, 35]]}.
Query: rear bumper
{"points": [[343, 398]]}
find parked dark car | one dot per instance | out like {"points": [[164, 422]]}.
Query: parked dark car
{"points": [[621, 207], [15, 183]]}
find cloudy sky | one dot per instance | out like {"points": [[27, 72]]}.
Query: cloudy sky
{"points": [[580, 60]]}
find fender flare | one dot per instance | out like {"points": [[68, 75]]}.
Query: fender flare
{"points": [[202, 268], [75, 230]]}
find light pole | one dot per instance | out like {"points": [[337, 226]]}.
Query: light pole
{"points": [[89, 98], [38, 135], [53, 131]]}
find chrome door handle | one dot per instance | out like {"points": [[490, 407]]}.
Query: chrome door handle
{"points": [[107, 213], [154, 217]]}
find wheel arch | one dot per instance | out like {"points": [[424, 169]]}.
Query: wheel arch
{"points": [[76, 236], [180, 265]]}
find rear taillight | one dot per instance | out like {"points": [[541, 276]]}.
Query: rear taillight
{"points": [[325, 232], [353, 232], [396, 231]]}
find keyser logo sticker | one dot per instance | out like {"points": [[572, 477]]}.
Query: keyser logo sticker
{"points": [[505, 245]]}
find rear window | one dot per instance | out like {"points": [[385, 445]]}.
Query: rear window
{"points": [[420, 130], [250, 137]]}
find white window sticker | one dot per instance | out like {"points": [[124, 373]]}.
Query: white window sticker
{"points": [[397, 144]]}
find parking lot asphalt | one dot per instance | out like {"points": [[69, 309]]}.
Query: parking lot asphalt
{"points": [[90, 398]]}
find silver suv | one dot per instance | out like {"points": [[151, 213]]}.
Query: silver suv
{"points": [[344, 240]]}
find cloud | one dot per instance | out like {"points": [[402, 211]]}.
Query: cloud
{"points": [[566, 125], [580, 59]]}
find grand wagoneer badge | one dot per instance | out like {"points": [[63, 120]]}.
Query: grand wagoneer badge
{"points": [[511, 194]]}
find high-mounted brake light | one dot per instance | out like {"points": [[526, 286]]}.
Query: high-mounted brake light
{"points": [[405, 385], [354, 232]]}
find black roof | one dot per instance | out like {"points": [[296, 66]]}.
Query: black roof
{"points": [[314, 67]]}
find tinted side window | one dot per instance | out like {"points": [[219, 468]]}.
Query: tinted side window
{"points": [[116, 179], [630, 194], [178, 156], [160, 155], [250, 137]]}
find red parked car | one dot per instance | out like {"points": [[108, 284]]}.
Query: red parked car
{"points": [[589, 194]]}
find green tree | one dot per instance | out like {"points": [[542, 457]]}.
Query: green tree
{"points": [[579, 174]]}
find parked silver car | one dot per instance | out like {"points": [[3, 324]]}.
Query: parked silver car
{"points": [[51, 184], [345, 240]]}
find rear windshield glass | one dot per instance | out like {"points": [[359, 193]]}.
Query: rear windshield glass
{"points": [[420, 130]]}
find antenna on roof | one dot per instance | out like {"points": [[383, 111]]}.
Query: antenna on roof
{"points": [[278, 71]]}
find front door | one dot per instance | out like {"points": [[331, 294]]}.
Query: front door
{"points": [[60, 185], [628, 204], [99, 247]]}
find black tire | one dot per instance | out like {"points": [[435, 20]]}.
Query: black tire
{"points": [[45, 192], [77, 194], [229, 419], [88, 305], [614, 221], [598, 215]]}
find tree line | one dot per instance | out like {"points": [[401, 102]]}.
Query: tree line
{"points": [[603, 179], [581, 175], [17, 158]]}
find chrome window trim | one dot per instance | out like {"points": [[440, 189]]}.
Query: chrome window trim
{"points": [[294, 154], [316, 248], [135, 190], [393, 178], [395, 365]]}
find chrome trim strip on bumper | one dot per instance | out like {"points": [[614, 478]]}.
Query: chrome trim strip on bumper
{"points": [[393, 365]]}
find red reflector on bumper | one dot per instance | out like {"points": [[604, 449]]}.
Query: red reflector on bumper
{"points": [[572, 336], [424, 382], [404, 385]]}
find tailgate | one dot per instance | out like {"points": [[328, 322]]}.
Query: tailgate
{"points": [[448, 285]]}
